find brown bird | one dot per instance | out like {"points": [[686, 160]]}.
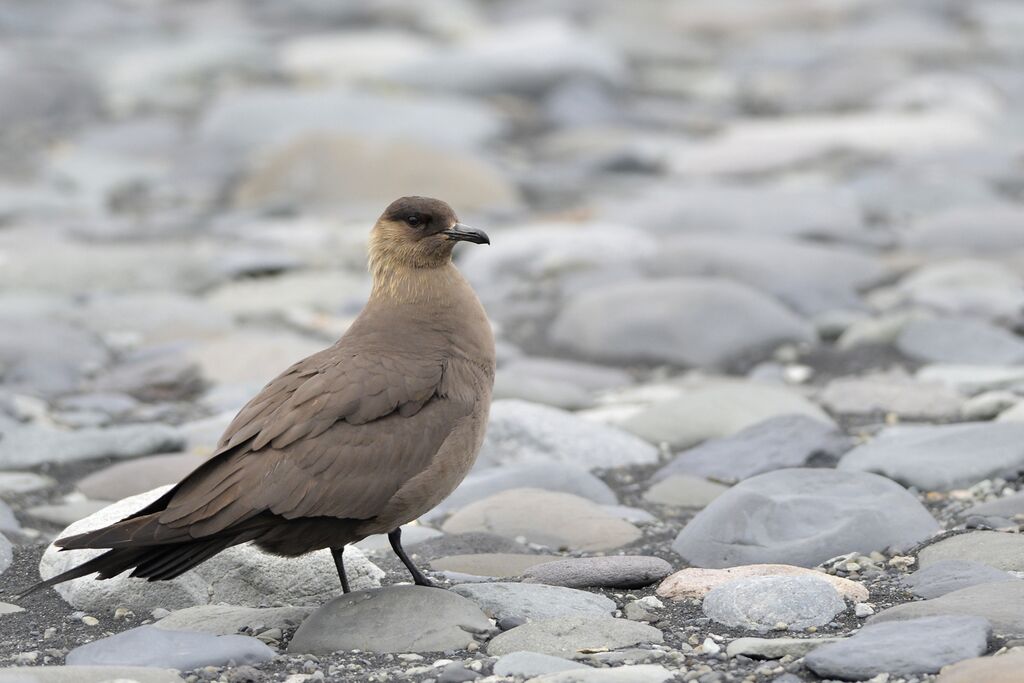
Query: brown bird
{"points": [[354, 440]]}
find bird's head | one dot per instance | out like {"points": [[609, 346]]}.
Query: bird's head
{"points": [[418, 232]]}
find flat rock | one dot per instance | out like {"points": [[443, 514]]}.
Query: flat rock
{"points": [[241, 575], [63, 514], [775, 443], [9, 608], [805, 516], [1007, 506], [1004, 668], [681, 490], [567, 636], [537, 474], [945, 576], [519, 431], [993, 548], [497, 565], [960, 340], [702, 322], [759, 603], [635, 673], [33, 445], [130, 478], [911, 647], [225, 620], [88, 674], [881, 395], [582, 525], [998, 602], [716, 408], [529, 664], [24, 482], [942, 457], [6, 553], [609, 571], [534, 601], [775, 648], [183, 650], [8, 522], [393, 619], [250, 356], [697, 583]]}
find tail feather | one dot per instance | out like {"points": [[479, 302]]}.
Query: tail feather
{"points": [[109, 564]]}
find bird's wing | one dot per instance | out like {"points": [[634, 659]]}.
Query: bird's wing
{"points": [[380, 419]]}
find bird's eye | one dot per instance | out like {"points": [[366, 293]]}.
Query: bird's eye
{"points": [[413, 220]]}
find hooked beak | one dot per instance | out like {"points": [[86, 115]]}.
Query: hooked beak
{"points": [[464, 233]]}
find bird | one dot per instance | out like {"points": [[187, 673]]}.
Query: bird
{"points": [[354, 440]]}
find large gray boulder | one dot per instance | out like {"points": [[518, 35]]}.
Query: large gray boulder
{"points": [[803, 516]]}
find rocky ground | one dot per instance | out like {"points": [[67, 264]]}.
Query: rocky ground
{"points": [[757, 278]]}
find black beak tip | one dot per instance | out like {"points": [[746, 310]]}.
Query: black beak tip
{"points": [[464, 233]]}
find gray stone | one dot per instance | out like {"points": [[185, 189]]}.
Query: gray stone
{"points": [[609, 571], [8, 522], [716, 408], [45, 356], [223, 620], [968, 287], [686, 321], [1007, 506], [496, 565], [24, 482], [681, 490], [911, 647], [803, 517], [32, 445], [960, 340], [247, 355], [534, 602], [994, 548], [990, 229], [567, 636], [8, 608], [184, 650], [942, 457], [587, 376], [529, 664], [775, 648], [510, 384], [761, 603], [393, 619], [63, 514], [775, 443], [945, 576], [520, 431], [883, 395], [636, 673], [998, 602], [158, 376], [582, 525], [88, 674], [241, 575], [133, 477], [6, 553], [157, 317], [550, 476]]}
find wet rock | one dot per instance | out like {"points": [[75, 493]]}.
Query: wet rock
{"points": [[960, 340], [582, 525], [993, 548], [609, 571], [998, 602], [567, 636], [941, 457], [393, 619], [520, 431], [538, 474], [813, 515], [534, 602], [697, 583], [32, 444], [761, 603], [775, 443], [700, 322], [945, 576], [716, 408], [132, 477], [911, 647], [155, 647]]}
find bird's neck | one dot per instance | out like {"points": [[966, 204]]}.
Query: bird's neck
{"points": [[401, 284]]}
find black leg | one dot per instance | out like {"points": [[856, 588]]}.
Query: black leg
{"points": [[336, 553], [396, 544]]}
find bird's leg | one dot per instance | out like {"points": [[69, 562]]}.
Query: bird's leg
{"points": [[396, 544], [336, 553]]}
